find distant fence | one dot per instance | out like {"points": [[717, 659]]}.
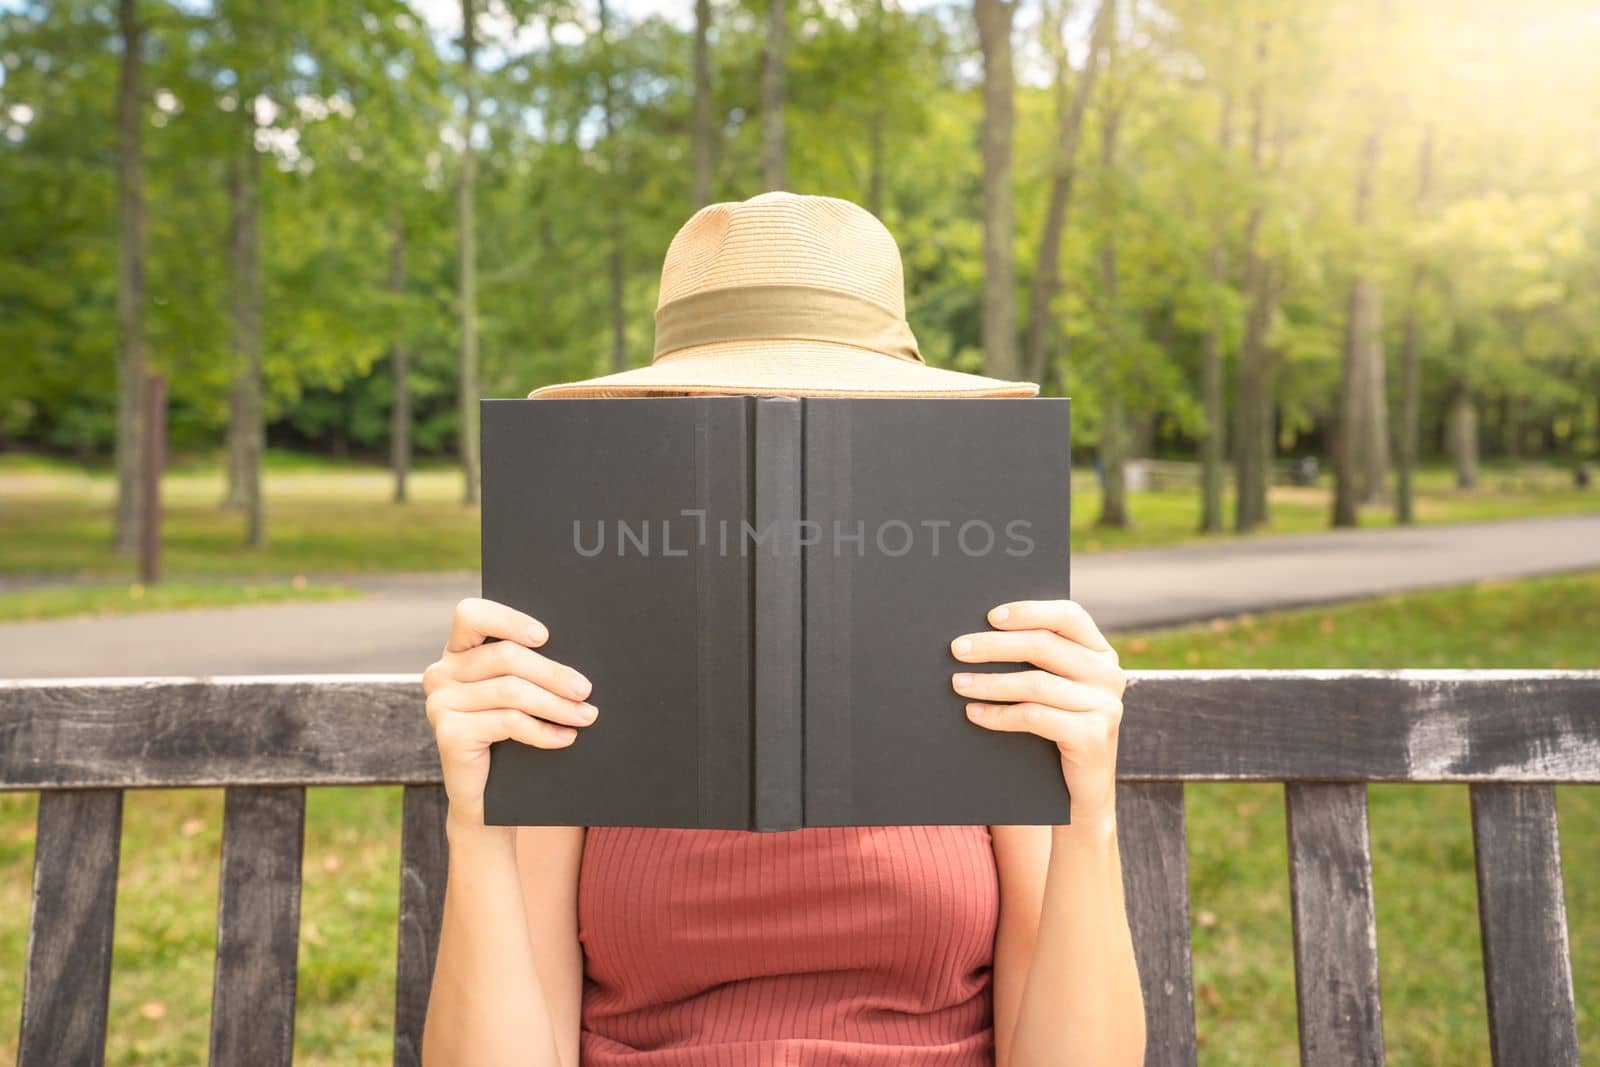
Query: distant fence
{"points": [[1162, 474], [1510, 735], [1173, 474]]}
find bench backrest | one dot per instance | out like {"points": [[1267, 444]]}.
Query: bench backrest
{"points": [[1510, 734]]}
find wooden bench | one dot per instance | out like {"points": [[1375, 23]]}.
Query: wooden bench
{"points": [[1510, 734]]}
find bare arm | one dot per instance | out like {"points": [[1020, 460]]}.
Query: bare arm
{"points": [[509, 962], [487, 1004], [1081, 1002], [548, 858], [1022, 855], [1066, 981]]}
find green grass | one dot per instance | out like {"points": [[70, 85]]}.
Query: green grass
{"points": [[165, 942], [327, 518], [1422, 852], [321, 520], [116, 598], [1429, 950]]}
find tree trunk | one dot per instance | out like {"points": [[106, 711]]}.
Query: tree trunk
{"points": [[1411, 361], [400, 363], [614, 206], [130, 282], [1213, 442], [1254, 399], [1047, 274], [704, 133], [1114, 460], [1266, 421], [1353, 458], [1511, 429], [774, 150], [1000, 355], [1464, 437], [1114, 426], [876, 163], [1374, 417], [246, 430], [1141, 434], [467, 237]]}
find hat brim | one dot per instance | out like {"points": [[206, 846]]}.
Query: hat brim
{"points": [[791, 367]]}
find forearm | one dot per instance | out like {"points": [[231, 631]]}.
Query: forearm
{"points": [[1081, 1004], [486, 1005]]}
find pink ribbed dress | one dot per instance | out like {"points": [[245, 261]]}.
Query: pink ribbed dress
{"points": [[846, 947]]}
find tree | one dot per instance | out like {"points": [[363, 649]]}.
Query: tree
{"points": [[774, 148], [1000, 355], [467, 270], [613, 201], [1114, 416], [1213, 441], [246, 425], [703, 134], [1252, 430], [400, 364], [1354, 456], [1411, 359], [1047, 279], [130, 280]]}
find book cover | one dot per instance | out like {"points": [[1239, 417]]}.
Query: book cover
{"points": [[763, 591]]}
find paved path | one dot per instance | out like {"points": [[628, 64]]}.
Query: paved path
{"points": [[400, 625]]}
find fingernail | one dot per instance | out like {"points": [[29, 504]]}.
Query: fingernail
{"points": [[581, 688], [999, 614], [589, 712], [977, 711], [538, 633], [962, 680], [963, 646]]}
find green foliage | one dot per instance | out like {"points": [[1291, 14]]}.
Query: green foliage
{"points": [[354, 105]]}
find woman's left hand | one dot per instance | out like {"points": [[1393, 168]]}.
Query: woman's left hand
{"points": [[1074, 697]]}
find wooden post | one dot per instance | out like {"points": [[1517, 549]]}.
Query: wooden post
{"points": [[155, 460]]}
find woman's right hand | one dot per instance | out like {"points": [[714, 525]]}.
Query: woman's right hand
{"points": [[481, 691]]}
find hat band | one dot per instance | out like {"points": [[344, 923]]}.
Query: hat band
{"points": [[782, 312]]}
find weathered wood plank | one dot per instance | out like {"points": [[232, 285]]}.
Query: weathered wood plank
{"points": [[68, 975], [1523, 918], [1155, 875], [1350, 726], [258, 925], [1335, 926], [328, 730], [1362, 726], [424, 856]]}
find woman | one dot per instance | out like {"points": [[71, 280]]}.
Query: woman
{"points": [[859, 946]]}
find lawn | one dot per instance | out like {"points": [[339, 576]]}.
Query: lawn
{"points": [[1427, 927], [1428, 943], [112, 598], [326, 518]]}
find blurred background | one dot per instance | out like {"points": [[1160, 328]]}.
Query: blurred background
{"points": [[1323, 281]]}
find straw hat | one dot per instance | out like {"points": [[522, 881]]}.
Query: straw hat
{"points": [[784, 293]]}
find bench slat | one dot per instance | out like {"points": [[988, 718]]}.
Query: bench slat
{"points": [[1523, 918], [1351, 726], [1335, 926], [1155, 874], [258, 925], [423, 862], [69, 938], [1362, 726]]}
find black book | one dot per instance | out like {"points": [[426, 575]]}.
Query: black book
{"points": [[763, 591]]}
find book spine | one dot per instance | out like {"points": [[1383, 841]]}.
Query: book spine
{"points": [[776, 620], [829, 766], [722, 585]]}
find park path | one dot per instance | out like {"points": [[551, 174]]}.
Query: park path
{"points": [[400, 625]]}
